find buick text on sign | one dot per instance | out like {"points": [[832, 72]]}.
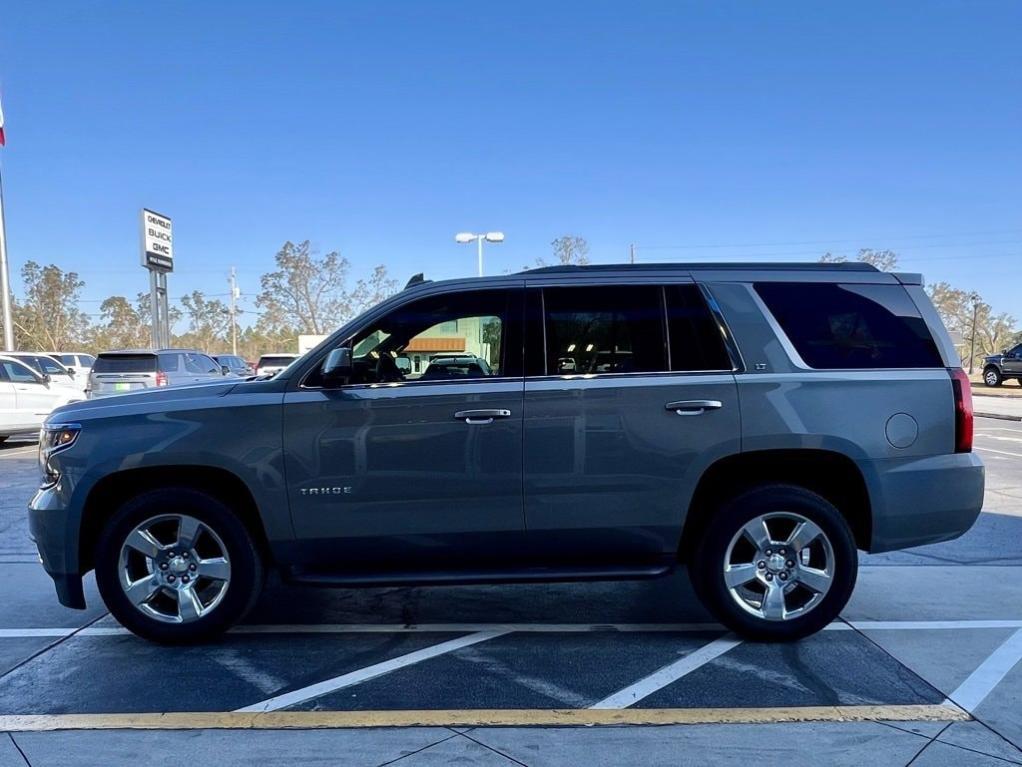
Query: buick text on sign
{"points": [[157, 241]]}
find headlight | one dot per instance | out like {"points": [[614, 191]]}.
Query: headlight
{"points": [[54, 438]]}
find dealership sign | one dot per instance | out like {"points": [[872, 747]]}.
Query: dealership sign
{"points": [[157, 242]]}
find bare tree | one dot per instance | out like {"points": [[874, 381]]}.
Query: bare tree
{"points": [[209, 321], [884, 260], [568, 249]]}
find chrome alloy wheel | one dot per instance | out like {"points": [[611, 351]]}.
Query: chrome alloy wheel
{"points": [[174, 568], [779, 566], [991, 377]]}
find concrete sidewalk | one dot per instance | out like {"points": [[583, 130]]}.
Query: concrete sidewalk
{"points": [[997, 407]]}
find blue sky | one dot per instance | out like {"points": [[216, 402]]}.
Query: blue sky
{"points": [[699, 131]]}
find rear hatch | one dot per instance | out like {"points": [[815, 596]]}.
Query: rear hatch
{"points": [[122, 372]]}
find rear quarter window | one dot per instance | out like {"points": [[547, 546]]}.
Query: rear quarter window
{"points": [[125, 363], [849, 326]]}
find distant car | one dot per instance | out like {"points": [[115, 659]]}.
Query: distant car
{"points": [[235, 364], [271, 364], [132, 370], [443, 367], [998, 368], [58, 374], [26, 397], [80, 362]]}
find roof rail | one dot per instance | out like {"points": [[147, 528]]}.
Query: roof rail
{"points": [[844, 266]]}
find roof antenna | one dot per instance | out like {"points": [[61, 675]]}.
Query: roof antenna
{"points": [[415, 280]]}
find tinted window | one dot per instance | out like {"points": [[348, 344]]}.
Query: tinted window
{"points": [[125, 363], [851, 326], [612, 329], [271, 361], [86, 360], [696, 342], [67, 359]]}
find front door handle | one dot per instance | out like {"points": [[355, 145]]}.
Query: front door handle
{"points": [[694, 406], [481, 417]]}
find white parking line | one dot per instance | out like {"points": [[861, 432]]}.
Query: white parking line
{"points": [[515, 628], [998, 452], [984, 679], [319, 689], [672, 672], [30, 450]]}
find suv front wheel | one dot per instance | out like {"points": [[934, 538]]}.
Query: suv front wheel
{"points": [[176, 565], [992, 376], [777, 562]]}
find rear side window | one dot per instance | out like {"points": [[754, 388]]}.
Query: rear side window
{"points": [[125, 363], [696, 340], [275, 361], [172, 362], [850, 326], [67, 359], [604, 329], [86, 360]]}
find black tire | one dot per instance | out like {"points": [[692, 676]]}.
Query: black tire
{"points": [[708, 559], [992, 376], [246, 567]]}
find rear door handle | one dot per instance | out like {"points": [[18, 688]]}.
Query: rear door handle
{"points": [[481, 417], [694, 406]]}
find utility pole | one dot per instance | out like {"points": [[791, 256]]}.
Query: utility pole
{"points": [[631, 253], [972, 335], [234, 312]]}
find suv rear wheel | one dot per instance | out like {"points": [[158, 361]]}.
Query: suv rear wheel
{"points": [[176, 565], [992, 376], [776, 563]]}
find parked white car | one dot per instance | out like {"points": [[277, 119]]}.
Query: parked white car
{"points": [[80, 362], [26, 397], [48, 365]]}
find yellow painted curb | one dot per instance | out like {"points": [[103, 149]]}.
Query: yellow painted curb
{"points": [[310, 720]]}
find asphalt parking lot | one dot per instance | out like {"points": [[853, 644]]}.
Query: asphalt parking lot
{"points": [[924, 668]]}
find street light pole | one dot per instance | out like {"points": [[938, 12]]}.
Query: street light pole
{"points": [[463, 238], [972, 335]]}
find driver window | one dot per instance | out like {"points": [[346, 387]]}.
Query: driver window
{"points": [[19, 373], [457, 336]]}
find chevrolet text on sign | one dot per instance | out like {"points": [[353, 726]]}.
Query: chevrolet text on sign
{"points": [[157, 241]]}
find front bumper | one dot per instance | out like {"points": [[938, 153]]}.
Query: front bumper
{"points": [[917, 501], [58, 552]]}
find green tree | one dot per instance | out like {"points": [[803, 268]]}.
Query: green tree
{"points": [[209, 322], [306, 293], [48, 319], [120, 327]]}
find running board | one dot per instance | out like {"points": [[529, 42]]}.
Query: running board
{"points": [[464, 577]]}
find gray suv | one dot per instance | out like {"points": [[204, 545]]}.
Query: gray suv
{"points": [[758, 424], [123, 372]]}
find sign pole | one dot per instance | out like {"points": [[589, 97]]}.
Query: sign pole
{"points": [[5, 278], [158, 257]]}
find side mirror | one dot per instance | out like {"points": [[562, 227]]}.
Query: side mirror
{"points": [[336, 368], [70, 372], [224, 370], [47, 378]]}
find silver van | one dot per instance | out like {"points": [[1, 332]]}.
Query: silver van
{"points": [[128, 371], [756, 424]]}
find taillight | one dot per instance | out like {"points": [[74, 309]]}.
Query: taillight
{"points": [[963, 410], [161, 379]]}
